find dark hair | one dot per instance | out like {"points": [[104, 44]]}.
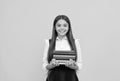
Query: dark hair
{"points": [[54, 35]]}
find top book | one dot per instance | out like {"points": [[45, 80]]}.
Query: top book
{"points": [[64, 55]]}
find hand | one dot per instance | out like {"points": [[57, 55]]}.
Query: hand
{"points": [[71, 64], [54, 63]]}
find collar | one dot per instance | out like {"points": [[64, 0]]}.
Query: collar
{"points": [[64, 38]]}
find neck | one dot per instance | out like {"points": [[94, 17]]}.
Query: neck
{"points": [[61, 36]]}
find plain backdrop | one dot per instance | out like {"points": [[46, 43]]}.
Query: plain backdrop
{"points": [[24, 24]]}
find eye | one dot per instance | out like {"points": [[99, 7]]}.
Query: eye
{"points": [[58, 25], [65, 25]]}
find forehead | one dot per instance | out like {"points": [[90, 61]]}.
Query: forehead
{"points": [[61, 21]]}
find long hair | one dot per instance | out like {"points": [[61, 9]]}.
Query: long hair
{"points": [[54, 35]]}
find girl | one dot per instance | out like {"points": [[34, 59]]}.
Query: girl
{"points": [[62, 40]]}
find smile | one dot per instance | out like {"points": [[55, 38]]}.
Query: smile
{"points": [[62, 31]]}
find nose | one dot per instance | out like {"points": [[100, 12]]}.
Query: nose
{"points": [[62, 27]]}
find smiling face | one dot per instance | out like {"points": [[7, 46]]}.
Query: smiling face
{"points": [[62, 27]]}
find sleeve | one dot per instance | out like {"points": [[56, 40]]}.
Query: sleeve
{"points": [[45, 62], [79, 56]]}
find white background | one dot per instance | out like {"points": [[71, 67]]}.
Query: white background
{"points": [[24, 24]]}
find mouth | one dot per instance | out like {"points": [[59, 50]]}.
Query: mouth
{"points": [[62, 31]]}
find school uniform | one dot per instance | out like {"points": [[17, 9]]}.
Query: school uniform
{"points": [[62, 72]]}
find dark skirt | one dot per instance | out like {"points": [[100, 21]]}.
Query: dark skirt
{"points": [[62, 73]]}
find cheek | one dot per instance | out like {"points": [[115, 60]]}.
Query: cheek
{"points": [[67, 28], [57, 29]]}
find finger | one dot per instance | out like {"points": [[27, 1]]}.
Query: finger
{"points": [[69, 62], [51, 63], [70, 59], [66, 63], [57, 64], [53, 60]]}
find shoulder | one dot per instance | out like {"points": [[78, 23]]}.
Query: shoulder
{"points": [[46, 41], [77, 40]]}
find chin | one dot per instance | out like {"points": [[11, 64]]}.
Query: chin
{"points": [[62, 34]]}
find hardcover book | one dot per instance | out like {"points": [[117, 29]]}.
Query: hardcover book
{"points": [[64, 56]]}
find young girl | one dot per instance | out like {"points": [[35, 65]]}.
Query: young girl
{"points": [[62, 40]]}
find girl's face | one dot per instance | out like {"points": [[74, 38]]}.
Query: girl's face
{"points": [[62, 27]]}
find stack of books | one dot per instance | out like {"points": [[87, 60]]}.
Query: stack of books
{"points": [[63, 56]]}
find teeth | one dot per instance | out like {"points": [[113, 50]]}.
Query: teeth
{"points": [[62, 31]]}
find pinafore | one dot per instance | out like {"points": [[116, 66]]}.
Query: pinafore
{"points": [[62, 73]]}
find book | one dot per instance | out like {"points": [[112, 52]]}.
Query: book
{"points": [[64, 56]]}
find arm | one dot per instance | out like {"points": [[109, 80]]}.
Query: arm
{"points": [[79, 56], [46, 65], [45, 62]]}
